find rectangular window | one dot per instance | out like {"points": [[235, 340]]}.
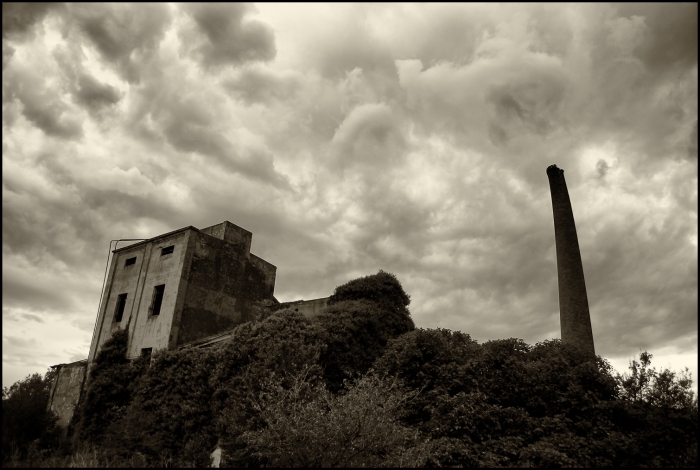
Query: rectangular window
{"points": [[130, 261], [167, 250], [119, 310], [157, 299], [146, 353]]}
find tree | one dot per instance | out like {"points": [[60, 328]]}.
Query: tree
{"points": [[277, 348], [658, 415], [363, 315], [25, 417], [432, 361], [664, 389], [382, 288], [171, 412], [307, 426], [109, 389]]}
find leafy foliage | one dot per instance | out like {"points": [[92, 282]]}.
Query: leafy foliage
{"points": [[307, 426], [25, 418], [382, 288], [665, 389], [363, 315], [358, 385], [278, 348], [110, 386], [171, 409]]}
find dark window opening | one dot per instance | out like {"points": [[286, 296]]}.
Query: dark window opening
{"points": [[157, 299], [130, 261], [167, 250], [119, 311], [146, 353]]}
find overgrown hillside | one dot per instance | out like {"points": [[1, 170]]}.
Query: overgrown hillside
{"points": [[360, 386]]}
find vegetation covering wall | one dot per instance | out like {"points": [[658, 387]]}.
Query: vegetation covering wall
{"points": [[360, 386]]}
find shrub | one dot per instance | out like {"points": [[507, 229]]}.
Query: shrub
{"points": [[26, 422], [110, 386], [430, 360], [277, 348], [363, 315], [307, 426], [171, 412], [382, 288]]}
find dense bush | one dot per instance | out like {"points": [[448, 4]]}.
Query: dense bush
{"points": [[307, 426], [26, 422], [363, 315], [358, 385], [277, 349], [382, 288], [171, 413], [112, 381]]}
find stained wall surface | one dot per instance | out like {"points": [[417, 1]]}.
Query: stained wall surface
{"points": [[309, 308], [154, 331], [66, 390], [224, 287], [122, 280], [212, 284]]}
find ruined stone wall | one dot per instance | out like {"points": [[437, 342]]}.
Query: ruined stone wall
{"points": [[224, 289], [573, 301], [309, 308], [66, 390], [232, 234], [268, 270]]}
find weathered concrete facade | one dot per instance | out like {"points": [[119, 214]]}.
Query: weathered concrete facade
{"points": [[209, 283], [309, 308], [573, 302], [66, 389], [186, 288]]}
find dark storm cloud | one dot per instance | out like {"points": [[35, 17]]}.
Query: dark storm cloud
{"points": [[24, 291], [40, 103], [86, 90], [644, 87], [634, 278], [411, 138], [190, 127], [95, 95], [18, 18], [257, 85], [231, 38], [693, 142], [533, 103], [672, 39], [371, 135], [40, 220], [124, 34]]}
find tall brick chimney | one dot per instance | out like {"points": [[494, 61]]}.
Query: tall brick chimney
{"points": [[573, 303]]}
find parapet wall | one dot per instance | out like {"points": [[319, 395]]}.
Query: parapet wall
{"points": [[309, 308]]}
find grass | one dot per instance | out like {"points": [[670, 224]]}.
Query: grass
{"points": [[88, 458]]}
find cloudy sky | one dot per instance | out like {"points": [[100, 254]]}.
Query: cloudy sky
{"points": [[356, 137]]}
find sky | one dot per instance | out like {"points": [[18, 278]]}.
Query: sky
{"points": [[350, 138]]}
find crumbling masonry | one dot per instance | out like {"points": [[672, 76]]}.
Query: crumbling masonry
{"points": [[186, 288]]}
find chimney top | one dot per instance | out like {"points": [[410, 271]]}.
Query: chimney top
{"points": [[553, 170]]}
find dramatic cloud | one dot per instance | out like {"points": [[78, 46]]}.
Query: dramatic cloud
{"points": [[350, 138], [228, 38]]}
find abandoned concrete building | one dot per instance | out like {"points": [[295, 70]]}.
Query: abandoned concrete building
{"points": [[186, 288]]}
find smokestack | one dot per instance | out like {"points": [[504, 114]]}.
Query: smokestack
{"points": [[573, 303]]}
